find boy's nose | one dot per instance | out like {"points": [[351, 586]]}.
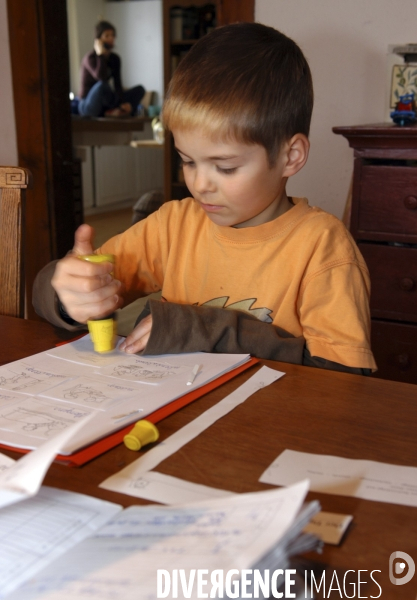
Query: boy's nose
{"points": [[202, 181]]}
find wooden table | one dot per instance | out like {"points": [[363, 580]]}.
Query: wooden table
{"points": [[309, 410]]}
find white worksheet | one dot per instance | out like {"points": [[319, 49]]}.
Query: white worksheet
{"points": [[38, 530], [366, 479], [22, 377], [92, 392], [82, 351], [65, 368], [39, 417], [144, 370], [8, 397], [120, 561]]}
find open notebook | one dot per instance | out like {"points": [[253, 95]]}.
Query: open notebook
{"points": [[45, 393], [84, 548]]}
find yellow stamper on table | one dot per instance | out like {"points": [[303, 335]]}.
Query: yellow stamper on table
{"points": [[144, 432], [103, 332]]}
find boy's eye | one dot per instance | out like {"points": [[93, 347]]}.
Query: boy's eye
{"points": [[228, 171], [187, 163]]}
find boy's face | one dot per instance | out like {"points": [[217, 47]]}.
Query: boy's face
{"points": [[233, 182]]}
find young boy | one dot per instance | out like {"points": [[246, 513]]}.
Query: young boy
{"points": [[242, 266]]}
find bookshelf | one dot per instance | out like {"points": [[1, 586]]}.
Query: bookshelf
{"points": [[185, 22]]}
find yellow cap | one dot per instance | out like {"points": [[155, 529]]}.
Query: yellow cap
{"points": [[97, 258], [144, 432], [103, 333]]}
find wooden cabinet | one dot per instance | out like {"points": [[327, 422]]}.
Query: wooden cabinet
{"points": [[185, 21], [384, 225]]}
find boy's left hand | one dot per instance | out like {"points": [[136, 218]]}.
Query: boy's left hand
{"points": [[137, 340]]}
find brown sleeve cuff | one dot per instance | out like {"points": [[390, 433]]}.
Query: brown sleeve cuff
{"points": [[324, 363], [45, 300], [178, 328]]}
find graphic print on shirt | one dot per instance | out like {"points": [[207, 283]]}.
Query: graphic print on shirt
{"points": [[262, 314]]}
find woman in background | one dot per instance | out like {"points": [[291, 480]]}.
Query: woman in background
{"points": [[97, 97]]}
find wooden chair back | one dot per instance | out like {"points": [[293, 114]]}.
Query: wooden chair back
{"points": [[13, 184]]}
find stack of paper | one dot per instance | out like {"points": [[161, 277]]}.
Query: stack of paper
{"points": [[46, 393], [36, 531], [144, 549]]}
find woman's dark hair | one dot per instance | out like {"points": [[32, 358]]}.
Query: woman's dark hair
{"points": [[103, 26]]}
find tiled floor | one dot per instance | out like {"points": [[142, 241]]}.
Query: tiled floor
{"points": [[106, 225]]}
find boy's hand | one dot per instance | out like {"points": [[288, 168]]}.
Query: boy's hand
{"points": [[137, 340], [86, 289]]}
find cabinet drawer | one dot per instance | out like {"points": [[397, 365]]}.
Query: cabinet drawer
{"points": [[393, 281], [388, 201], [395, 349]]}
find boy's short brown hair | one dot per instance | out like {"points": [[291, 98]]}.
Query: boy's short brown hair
{"points": [[244, 81]]}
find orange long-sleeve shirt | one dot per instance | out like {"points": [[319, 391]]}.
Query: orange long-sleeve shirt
{"points": [[302, 272]]}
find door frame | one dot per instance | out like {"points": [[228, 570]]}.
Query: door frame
{"points": [[40, 74]]}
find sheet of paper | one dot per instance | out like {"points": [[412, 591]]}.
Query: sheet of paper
{"points": [[366, 479], [9, 397], [149, 398], [24, 477], [144, 370], [82, 351], [225, 533], [211, 366], [156, 455], [38, 530], [329, 527], [39, 417], [65, 368], [21, 377], [164, 489], [93, 392]]}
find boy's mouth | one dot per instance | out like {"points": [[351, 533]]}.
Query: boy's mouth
{"points": [[210, 207]]}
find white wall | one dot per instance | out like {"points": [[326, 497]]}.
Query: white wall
{"points": [[138, 43], [346, 44], [8, 142]]}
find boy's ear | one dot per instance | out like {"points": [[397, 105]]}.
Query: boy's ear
{"points": [[297, 153]]}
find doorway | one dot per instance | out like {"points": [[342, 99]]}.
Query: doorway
{"points": [[39, 52]]}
